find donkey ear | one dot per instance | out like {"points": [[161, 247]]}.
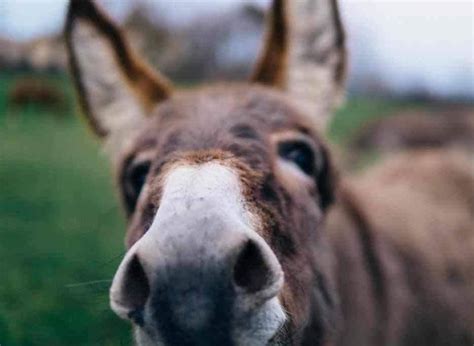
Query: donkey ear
{"points": [[305, 54], [116, 89]]}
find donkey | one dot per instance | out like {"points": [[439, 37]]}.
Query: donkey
{"points": [[239, 231]]}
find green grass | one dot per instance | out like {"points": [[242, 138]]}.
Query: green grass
{"points": [[61, 225], [357, 112]]}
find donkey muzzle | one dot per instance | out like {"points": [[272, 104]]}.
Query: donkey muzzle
{"points": [[201, 272]]}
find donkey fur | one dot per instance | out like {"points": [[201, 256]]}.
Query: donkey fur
{"points": [[382, 259]]}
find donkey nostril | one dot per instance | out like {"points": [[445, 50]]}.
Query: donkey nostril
{"points": [[251, 271], [136, 287], [131, 292], [137, 317]]}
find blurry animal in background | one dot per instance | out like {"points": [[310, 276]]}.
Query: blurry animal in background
{"points": [[38, 92], [452, 127], [239, 231]]}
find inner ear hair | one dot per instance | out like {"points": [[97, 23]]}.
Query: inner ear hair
{"points": [[124, 69], [305, 54]]}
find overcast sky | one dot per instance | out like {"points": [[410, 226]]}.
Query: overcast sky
{"points": [[424, 42], [24, 19]]}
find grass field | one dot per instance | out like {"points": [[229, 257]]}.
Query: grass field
{"points": [[61, 227]]}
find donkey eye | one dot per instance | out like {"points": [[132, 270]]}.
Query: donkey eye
{"points": [[137, 176], [299, 153]]}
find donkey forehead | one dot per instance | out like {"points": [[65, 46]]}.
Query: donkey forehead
{"points": [[227, 106]]}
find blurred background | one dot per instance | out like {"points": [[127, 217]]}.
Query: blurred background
{"points": [[411, 84]]}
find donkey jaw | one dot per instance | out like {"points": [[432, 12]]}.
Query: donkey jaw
{"points": [[201, 272]]}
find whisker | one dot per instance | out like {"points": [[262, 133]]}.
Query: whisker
{"points": [[87, 283]]}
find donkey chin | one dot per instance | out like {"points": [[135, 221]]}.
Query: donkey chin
{"points": [[220, 287]]}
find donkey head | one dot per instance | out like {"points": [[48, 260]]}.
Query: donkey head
{"points": [[225, 186]]}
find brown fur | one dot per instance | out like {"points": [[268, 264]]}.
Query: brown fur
{"points": [[404, 239], [372, 268], [272, 66], [253, 154], [393, 264]]}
